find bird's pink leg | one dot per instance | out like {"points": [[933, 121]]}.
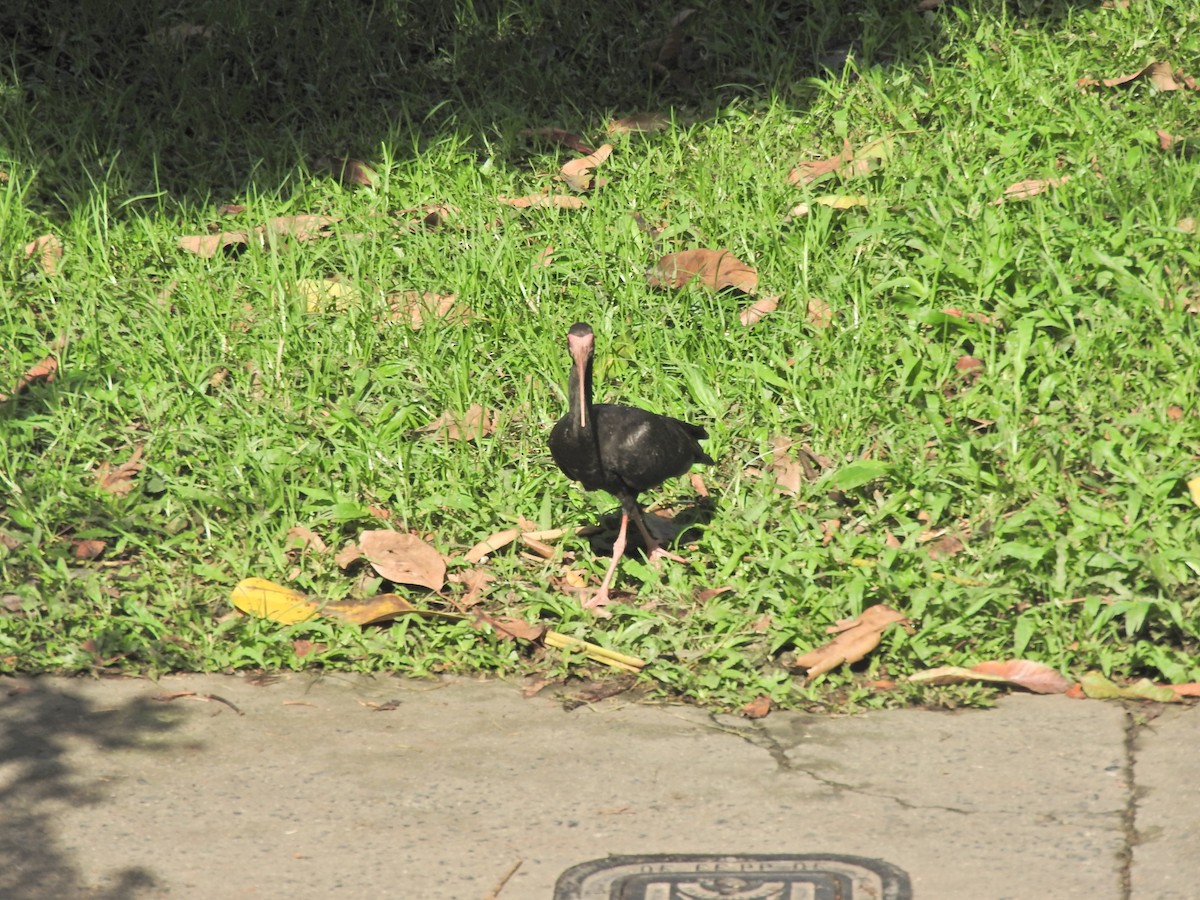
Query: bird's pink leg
{"points": [[601, 597], [654, 550]]}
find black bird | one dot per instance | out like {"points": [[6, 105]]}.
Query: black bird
{"points": [[620, 449]]}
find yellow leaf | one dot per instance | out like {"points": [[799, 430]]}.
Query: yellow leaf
{"points": [[1194, 489], [841, 201], [323, 294], [267, 600], [380, 608]]}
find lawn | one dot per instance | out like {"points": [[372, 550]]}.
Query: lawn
{"points": [[266, 251]]}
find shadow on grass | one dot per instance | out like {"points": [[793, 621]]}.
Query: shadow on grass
{"points": [[38, 726], [209, 99]]}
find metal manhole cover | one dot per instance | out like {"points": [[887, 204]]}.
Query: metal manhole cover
{"points": [[805, 876]]}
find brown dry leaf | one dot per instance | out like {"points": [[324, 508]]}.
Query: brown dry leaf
{"points": [[1033, 676], [380, 608], [491, 544], [49, 251], [578, 172], [403, 558], [568, 139], [352, 171], [829, 530], [302, 647], [945, 547], [557, 201], [698, 485], [703, 596], [762, 624], [1158, 73], [640, 123], [42, 371], [472, 425], [545, 257], [842, 201], [1166, 140], [420, 308], [820, 314], [302, 228], [855, 639], [347, 556], [1023, 190], [300, 537], [118, 479], [757, 708], [808, 172], [1191, 689], [209, 245], [716, 269], [756, 310], [231, 209], [476, 582], [1175, 413], [509, 627], [88, 549], [787, 471], [431, 216]]}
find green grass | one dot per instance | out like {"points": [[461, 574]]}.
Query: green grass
{"points": [[1063, 467]]}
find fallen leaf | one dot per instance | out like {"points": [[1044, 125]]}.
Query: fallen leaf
{"points": [[849, 163], [1188, 225], [118, 479], [945, 547], [380, 608], [706, 594], [698, 485], [332, 293], [841, 201], [578, 172], [1193, 487], [88, 549], [267, 600], [545, 257], [561, 136], [855, 639], [787, 471], [421, 308], [1192, 689], [756, 310], [969, 365], [476, 581], [42, 371], [820, 314], [716, 269], [640, 123], [557, 201], [509, 627], [347, 556], [302, 228], [300, 537], [762, 624], [808, 172], [1023, 190], [502, 539], [302, 647], [1158, 73], [1174, 413], [209, 245], [431, 216], [231, 209], [352, 171], [472, 425], [49, 251], [757, 708], [403, 558], [1097, 687], [1033, 676]]}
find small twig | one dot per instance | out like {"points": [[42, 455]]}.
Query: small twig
{"points": [[494, 893], [194, 695]]}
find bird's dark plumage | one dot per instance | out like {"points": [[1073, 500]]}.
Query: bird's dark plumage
{"points": [[620, 449]]}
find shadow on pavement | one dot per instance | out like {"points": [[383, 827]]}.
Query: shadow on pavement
{"points": [[37, 782]]}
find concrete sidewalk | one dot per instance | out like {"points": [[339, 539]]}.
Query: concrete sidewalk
{"points": [[318, 789]]}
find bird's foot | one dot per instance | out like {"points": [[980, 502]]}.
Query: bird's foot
{"points": [[656, 553]]}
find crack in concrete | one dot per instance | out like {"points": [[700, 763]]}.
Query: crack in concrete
{"points": [[758, 736], [1129, 814]]}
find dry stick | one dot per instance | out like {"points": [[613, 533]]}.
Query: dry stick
{"points": [[494, 893]]}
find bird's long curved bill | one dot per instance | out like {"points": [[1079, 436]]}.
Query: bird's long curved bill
{"points": [[580, 372]]}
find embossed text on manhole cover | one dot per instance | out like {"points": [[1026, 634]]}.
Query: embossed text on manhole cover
{"points": [[807, 876]]}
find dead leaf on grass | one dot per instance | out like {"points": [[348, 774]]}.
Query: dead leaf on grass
{"points": [[472, 425], [1024, 673], [543, 201], [503, 538], [431, 216], [545, 257], [855, 639], [476, 581], [1097, 687], [715, 269], [351, 171], [48, 250], [509, 627], [118, 479], [330, 294], [300, 537], [88, 549], [787, 470], [756, 310], [421, 308], [209, 245], [849, 163], [841, 201], [1023, 190], [1158, 73], [403, 558], [578, 172], [42, 371], [820, 314], [640, 123], [267, 600], [944, 547]]}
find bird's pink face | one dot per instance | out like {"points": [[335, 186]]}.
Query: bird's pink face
{"points": [[581, 347]]}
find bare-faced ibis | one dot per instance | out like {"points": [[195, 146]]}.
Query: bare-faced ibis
{"points": [[620, 449]]}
